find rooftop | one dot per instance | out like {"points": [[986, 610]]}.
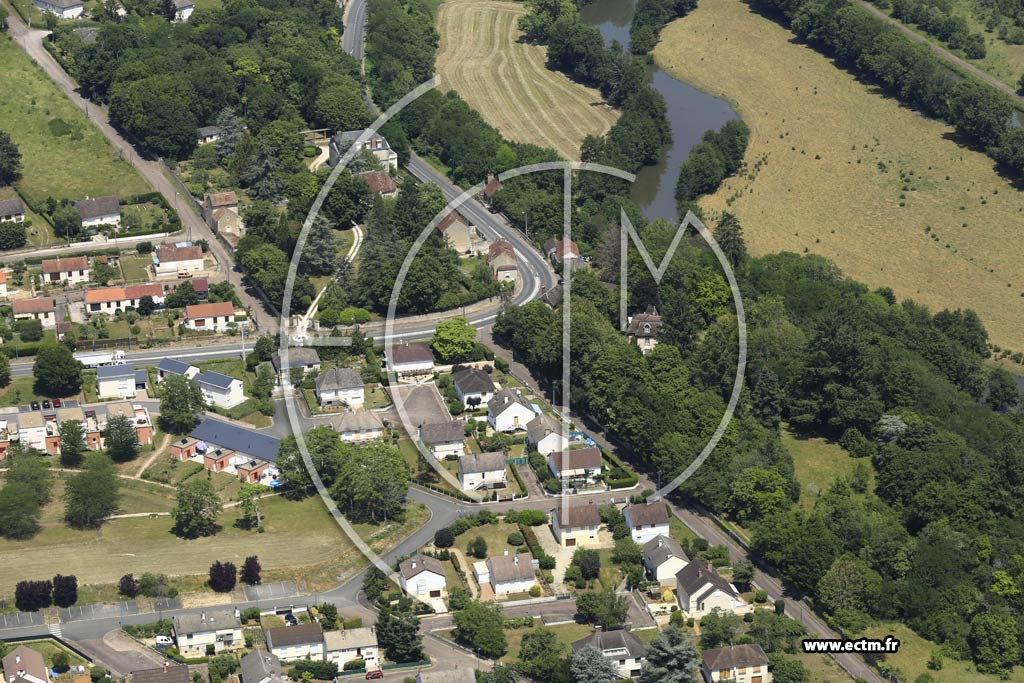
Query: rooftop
{"points": [[339, 378], [505, 397], [10, 207], [298, 356], [115, 371], [577, 516], [648, 514], [661, 548], [218, 199], [379, 181], [172, 252], [613, 641], [98, 207], [231, 436], [300, 634], [24, 659], [357, 422], [64, 265], [165, 674], [259, 665], [579, 459], [504, 568], [442, 432], [477, 463], [216, 379], [220, 309], [41, 305], [349, 639], [210, 619], [472, 380], [173, 366], [734, 656], [420, 563], [411, 353]]}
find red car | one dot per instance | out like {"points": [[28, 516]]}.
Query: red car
{"points": [[56, 403], [377, 673]]}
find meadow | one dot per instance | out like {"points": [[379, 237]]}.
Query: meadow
{"points": [[482, 58], [835, 167]]}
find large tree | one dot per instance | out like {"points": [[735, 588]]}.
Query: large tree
{"points": [[398, 631], [993, 640], [56, 371], [671, 658], [181, 402], [540, 656], [65, 590], [197, 509], [589, 665], [19, 511], [454, 340], [10, 160], [729, 235], [372, 480], [93, 494], [72, 443], [480, 626], [122, 439]]}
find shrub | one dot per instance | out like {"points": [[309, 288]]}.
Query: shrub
{"points": [[444, 538], [535, 591], [478, 548], [251, 614], [533, 517], [515, 539], [354, 665]]}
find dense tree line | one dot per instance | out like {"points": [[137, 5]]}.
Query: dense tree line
{"points": [[400, 44], [929, 537], [1004, 16], [868, 46], [650, 17], [717, 156], [937, 18]]}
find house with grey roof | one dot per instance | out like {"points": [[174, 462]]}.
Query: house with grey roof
{"points": [[646, 520], [483, 471], [444, 438], [220, 390], [229, 436], [99, 210], [340, 386], [509, 411], [165, 674], [304, 358], [260, 666], [207, 134], [507, 574], [411, 361], [373, 143], [546, 435], [747, 663], [115, 381], [473, 386], [577, 469], [700, 590], [351, 644], [576, 525], [182, 11], [172, 366], [291, 643], [623, 649], [423, 576], [12, 211], [663, 559], [361, 427], [220, 627], [64, 9]]}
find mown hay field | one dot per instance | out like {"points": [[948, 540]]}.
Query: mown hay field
{"points": [[481, 57], [836, 168]]}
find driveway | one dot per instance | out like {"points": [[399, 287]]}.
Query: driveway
{"points": [[120, 653]]}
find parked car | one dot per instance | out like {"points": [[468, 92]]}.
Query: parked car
{"points": [[164, 641], [57, 403], [46, 405], [35, 405], [290, 619], [376, 673]]}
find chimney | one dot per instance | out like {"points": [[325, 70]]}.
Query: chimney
{"points": [[414, 564], [515, 560], [490, 177], [506, 552], [165, 667], [710, 566], [659, 541], [17, 658], [202, 616]]}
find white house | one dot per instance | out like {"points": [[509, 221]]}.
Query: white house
{"points": [[735, 663], [423, 576], [41, 309], [34, 430], [623, 649], [12, 211], [220, 390], [171, 366], [700, 589], [216, 317], [115, 381], [509, 411], [302, 641], [359, 427], [345, 646], [507, 574], [444, 438], [64, 9], [110, 300], [375, 143], [646, 521], [459, 232], [207, 134], [340, 386], [72, 270], [99, 211], [482, 471], [577, 525], [303, 357], [217, 626], [501, 257], [411, 361], [473, 386], [24, 665], [183, 10], [576, 469], [546, 435], [178, 259], [3, 283], [663, 559]]}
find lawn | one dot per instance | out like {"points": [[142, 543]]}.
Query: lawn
{"points": [[21, 392], [833, 150], [817, 463], [481, 57], [63, 155], [48, 648], [136, 496], [147, 545], [566, 633], [133, 268], [496, 536]]}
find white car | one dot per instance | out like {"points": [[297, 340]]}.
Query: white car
{"points": [[164, 641]]}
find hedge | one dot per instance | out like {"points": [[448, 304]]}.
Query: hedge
{"points": [[621, 482]]}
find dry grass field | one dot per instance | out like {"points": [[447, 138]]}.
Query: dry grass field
{"points": [[481, 58], [836, 168]]}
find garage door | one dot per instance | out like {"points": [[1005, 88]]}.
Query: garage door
{"points": [[570, 542]]}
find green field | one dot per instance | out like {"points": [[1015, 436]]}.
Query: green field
{"points": [[817, 463], [566, 633], [495, 535], [63, 155], [835, 159]]}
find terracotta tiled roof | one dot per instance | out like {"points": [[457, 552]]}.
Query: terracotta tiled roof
{"points": [[43, 305], [209, 310], [63, 265]]}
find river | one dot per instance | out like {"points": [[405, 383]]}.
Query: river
{"points": [[690, 113]]}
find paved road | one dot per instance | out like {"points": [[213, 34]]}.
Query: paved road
{"points": [[355, 28], [942, 52], [31, 41]]}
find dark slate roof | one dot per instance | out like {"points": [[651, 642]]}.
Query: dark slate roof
{"points": [[613, 640], [100, 206], [583, 458], [171, 674], [216, 379], [141, 376], [10, 207], [696, 575], [240, 439], [659, 549], [411, 353], [173, 365], [357, 422], [648, 513], [339, 378], [300, 634], [298, 356], [472, 380], [576, 516], [553, 297], [420, 563], [734, 656], [204, 131], [497, 404], [260, 665], [637, 323], [477, 463], [541, 426], [442, 432], [114, 371]]}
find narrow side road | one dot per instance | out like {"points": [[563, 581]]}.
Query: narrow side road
{"points": [[942, 52]]}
